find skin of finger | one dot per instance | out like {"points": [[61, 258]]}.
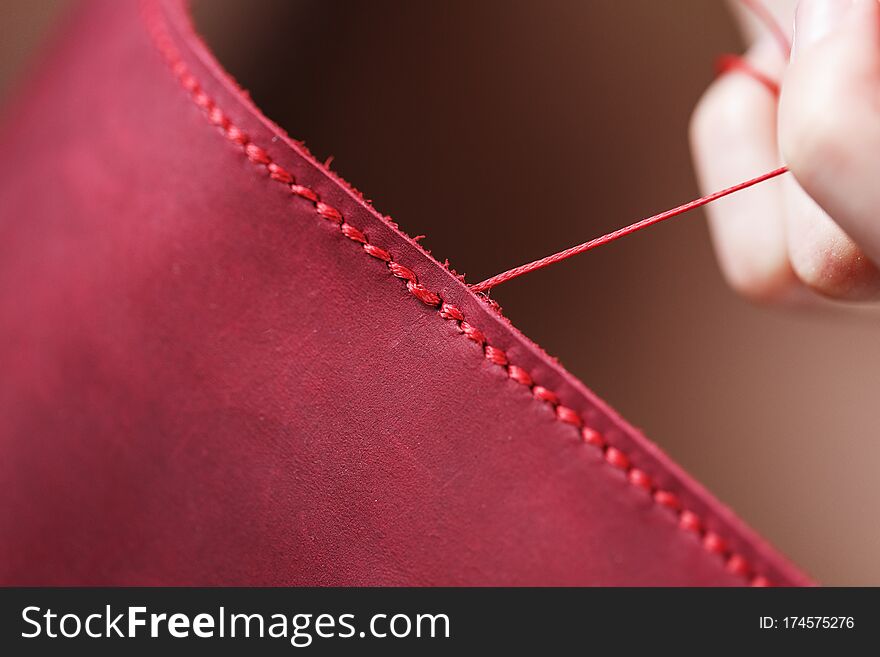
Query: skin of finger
{"points": [[733, 137], [751, 28], [822, 255], [829, 128]]}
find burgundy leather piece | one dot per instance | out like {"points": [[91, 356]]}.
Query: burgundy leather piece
{"points": [[207, 382]]}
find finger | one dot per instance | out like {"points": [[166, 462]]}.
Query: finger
{"points": [[830, 137], [757, 18], [822, 255], [733, 137]]}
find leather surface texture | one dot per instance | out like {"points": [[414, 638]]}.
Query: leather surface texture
{"points": [[214, 375]]}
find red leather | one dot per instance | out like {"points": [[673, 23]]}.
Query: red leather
{"points": [[208, 381]]}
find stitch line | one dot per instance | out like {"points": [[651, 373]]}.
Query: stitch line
{"points": [[687, 520]]}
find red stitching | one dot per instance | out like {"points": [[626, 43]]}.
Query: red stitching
{"points": [[279, 174], [641, 479], [714, 543], [235, 135], [448, 311], [668, 499], [304, 192], [569, 415], [540, 392], [495, 355], [738, 565], [592, 437], [218, 118], [352, 233], [617, 458], [519, 375], [400, 271], [376, 252], [423, 294], [687, 520], [729, 63], [472, 332], [328, 212]]}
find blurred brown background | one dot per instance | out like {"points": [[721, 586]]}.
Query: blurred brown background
{"points": [[508, 130]]}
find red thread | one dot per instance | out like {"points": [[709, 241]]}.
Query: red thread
{"points": [[592, 437], [188, 81], [640, 479], [352, 233], [328, 212], [728, 63], [402, 272], [423, 294], [540, 392], [724, 64], [235, 135], [202, 100], [279, 174], [667, 499], [519, 375], [568, 415], [495, 355], [738, 565], [516, 272], [218, 118], [381, 254], [690, 521], [259, 157], [304, 192], [714, 543], [472, 332], [448, 311], [617, 458]]}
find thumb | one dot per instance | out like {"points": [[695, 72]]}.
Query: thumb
{"points": [[829, 113]]}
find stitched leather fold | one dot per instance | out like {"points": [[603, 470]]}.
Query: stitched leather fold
{"points": [[224, 367]]}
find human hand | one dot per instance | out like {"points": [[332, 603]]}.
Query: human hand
{"points": [[817, 230]]}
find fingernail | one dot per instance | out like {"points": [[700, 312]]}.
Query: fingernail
{"points": [[815, 19]]}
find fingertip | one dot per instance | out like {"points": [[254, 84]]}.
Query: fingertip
{"points": [[833, 266], [829, 135], [835, 70]]}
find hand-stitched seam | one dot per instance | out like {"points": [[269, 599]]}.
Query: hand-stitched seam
{"points": [[687, 520]]}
